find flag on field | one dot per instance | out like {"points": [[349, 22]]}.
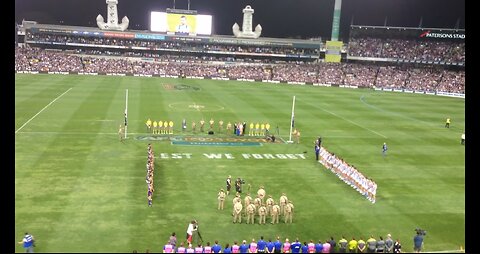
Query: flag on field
{"points": [[125, 119], [293, 121]]}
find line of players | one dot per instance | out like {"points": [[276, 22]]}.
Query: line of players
{"points": [[149, 177], [239, 129], [252, 207], [160, 127], [349, 174]]}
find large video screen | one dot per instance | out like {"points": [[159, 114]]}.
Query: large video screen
{"points": [[180, 23]]}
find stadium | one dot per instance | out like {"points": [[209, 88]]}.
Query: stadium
{"points": [[125, 136]]}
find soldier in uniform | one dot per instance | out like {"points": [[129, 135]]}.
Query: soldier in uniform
{"points": [[289, 212], [202, 123], [257, 202], [237, 211], [220, 126], [235, 200], [269, 204], [248, 200], [211, 123], [261, 193], [262, 212], [283, 203], [221, 199], [275, 213], [251, 213]]}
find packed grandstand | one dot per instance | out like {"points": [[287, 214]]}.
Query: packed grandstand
{"points": [[394, 59]]}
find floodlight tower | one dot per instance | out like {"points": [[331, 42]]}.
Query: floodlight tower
{"points": [[336, 20]]}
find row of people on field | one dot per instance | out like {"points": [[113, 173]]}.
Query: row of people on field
{"points": [[160, 127], [348, 174], [371, 245], [149, 177], [238, 128]]}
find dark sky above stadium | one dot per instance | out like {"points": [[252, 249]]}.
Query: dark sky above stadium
{"points": [[278, 18]]}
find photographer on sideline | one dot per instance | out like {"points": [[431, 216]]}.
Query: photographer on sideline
{"points": [[191, 228], [28, 243], [418, 240]]}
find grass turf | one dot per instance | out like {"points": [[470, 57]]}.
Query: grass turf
{"points": [[78, 189]]}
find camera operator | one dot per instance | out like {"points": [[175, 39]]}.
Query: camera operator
{"points": [[418, 240], [190, 229]]}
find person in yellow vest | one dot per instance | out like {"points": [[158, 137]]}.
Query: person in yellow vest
{"points": [[251, 130], [155, 127], [221, 199], [160, 127], [170, 124], [361, 246], [257, 129], [447, 123], [211, 123], [149, 125], [202, 123], [165, 126], [267, 129], [352, 245], [220, 126], [194, 126], [262, 129]]}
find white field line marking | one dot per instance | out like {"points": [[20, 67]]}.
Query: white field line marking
{"points": [[372, 131], [43, 109]]}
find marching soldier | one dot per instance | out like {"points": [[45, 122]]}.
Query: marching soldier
{"points": [[275, 213], [262, 212], [283, 203], [289, 212], [251, 213], [221, 199]]}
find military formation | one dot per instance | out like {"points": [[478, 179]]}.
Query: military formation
{"points": [[257, 209]]}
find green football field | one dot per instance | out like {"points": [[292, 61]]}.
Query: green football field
{"points": [[79, 189]]}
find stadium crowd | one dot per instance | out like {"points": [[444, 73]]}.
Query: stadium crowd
{"points": [[354, 74], [434, 51]]}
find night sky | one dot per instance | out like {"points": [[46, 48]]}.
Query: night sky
{"points": [[278, 18]]}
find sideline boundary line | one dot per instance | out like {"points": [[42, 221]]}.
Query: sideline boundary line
{"points": [[42, 110]]}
